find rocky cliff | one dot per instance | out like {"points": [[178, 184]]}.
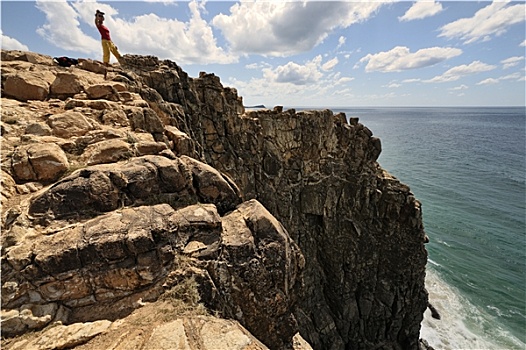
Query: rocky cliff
{"points": [[117, 192]]}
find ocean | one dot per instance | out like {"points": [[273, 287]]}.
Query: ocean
{"points": [[467, 167]]}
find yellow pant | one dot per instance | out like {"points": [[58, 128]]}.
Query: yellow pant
{"points": [[107, 47]]}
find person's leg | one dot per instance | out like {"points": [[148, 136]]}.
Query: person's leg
{"points": [[106, 55], [115, 51]]}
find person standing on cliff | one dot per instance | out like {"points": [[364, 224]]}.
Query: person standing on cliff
{"points": [[107, 45]]}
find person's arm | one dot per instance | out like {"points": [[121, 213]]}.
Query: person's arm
{"points": [[98, 19]]}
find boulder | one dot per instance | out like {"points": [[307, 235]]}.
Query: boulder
{"points": [[67, 84], [92, 66], [126, 96], [105, 91], [39, 162], [28, 85], [148, 179], [204, 243], [212, 186], [70, 123], [115, 118], [150, 147], [27, 56], [39, 129], [101, 105], [144, 119], [182, 143], [107, 151], [98, 135]]}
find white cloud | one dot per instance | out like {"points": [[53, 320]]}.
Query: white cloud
{"points": [[341, 42], [149, 34], [62, 27], [185, 42], [258, 65], [329, 65], [293, 84], [393, 85], [514, 76], [264, 90], [460, 87], [489, 81], [511, 76], [9, 43], [400, 58], [421, 9], [344, 80], [523, 43], [512, 61], [294, 73], [457, 72], [492, 20], [281, 28], [344, 93], [411, 80]]}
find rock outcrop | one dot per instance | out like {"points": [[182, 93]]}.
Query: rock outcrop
{"points": [[80, 273], [115, 193], [359, 228]]}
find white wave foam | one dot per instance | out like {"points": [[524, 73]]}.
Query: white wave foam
{"points": [[433, 262], [462, 325], [444, 243], [496, 310]]}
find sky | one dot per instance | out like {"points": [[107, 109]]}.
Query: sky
{"points": [[303, 53]]}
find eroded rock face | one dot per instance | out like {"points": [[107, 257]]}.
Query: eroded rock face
{"points": [[132, 253], [168, 168], [148, 179], [270, 283], [359, 228]]}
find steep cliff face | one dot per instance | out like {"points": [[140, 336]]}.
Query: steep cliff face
{"points": [[359, 228], [153, 135]]}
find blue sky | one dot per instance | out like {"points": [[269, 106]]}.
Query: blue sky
{"points": [[304, 53]]}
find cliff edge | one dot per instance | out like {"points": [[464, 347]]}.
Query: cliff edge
{"points": [[115, 193]]}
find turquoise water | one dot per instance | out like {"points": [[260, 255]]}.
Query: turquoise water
{"points": [[467, 167]]}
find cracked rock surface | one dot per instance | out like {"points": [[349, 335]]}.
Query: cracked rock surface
{"points": [[115, 193]]}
